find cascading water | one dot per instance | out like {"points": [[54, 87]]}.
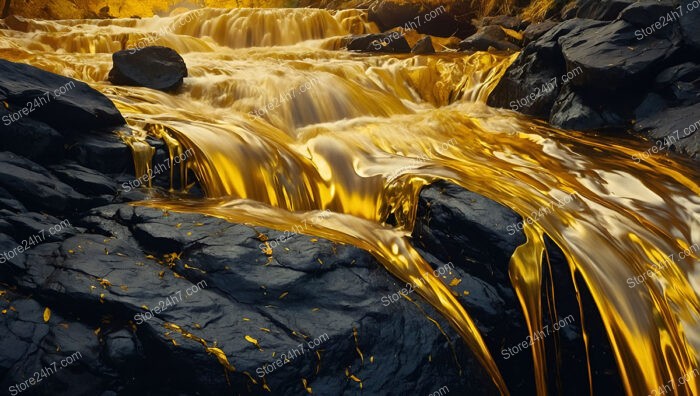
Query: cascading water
{"points": [[282, 125]]}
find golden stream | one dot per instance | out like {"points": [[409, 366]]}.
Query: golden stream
{"points": [[371, 131]]}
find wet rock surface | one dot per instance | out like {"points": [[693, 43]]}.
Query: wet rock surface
{"points": [[153, 67], [59, 102]]}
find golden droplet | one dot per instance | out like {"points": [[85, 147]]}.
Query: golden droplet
{"points": [[47, 314], [455, 282]]}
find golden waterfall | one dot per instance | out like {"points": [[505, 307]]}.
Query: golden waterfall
{"points": [[367, 132]]}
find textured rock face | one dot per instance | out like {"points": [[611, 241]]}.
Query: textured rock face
{"points": [[57, 101], [153, 67], [621, 74]]}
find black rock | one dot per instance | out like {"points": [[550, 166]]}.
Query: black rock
{"points": [[583, 111], [423, 46], [106, 153], [537, 30], [153, 67], [527, 85], [31, 139], [690, 25], [393, 42], [36, 188], [679, 84], [84, 180], [58, 101], [488, 37], [646, 13], [675, 128], [612, 57]]}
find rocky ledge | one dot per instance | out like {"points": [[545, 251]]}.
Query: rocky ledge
{"points": [[100, 297]]}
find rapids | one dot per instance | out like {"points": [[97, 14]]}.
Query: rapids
{"points": [[284, 124]]}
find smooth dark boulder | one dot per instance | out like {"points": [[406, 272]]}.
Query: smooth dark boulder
{"points": [[492, 36], [153, 67], [423, 46], [393, 42], [60, 102]]}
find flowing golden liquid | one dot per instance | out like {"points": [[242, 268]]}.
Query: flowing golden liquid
{"points": [[370, 131]]}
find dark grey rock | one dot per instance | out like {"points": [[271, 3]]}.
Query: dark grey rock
{"points": [[153, 67], [84, 180], [423, 46], [488, 37], [30, 138], [105, 153], [690, 25], [611, 57], [393, 42], [675, 128], [538, 65], [537, 30], [36, 188], [75, 105], [646, 13]]}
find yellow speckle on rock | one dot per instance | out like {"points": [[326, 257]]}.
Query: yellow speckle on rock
{"points": [[306, 386], [253, 341], [246, 320], [265, 329], [189, 233], [102, 298], [283, 295], [47, 314], [178, 225], [71, 251], [455, 282]]}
